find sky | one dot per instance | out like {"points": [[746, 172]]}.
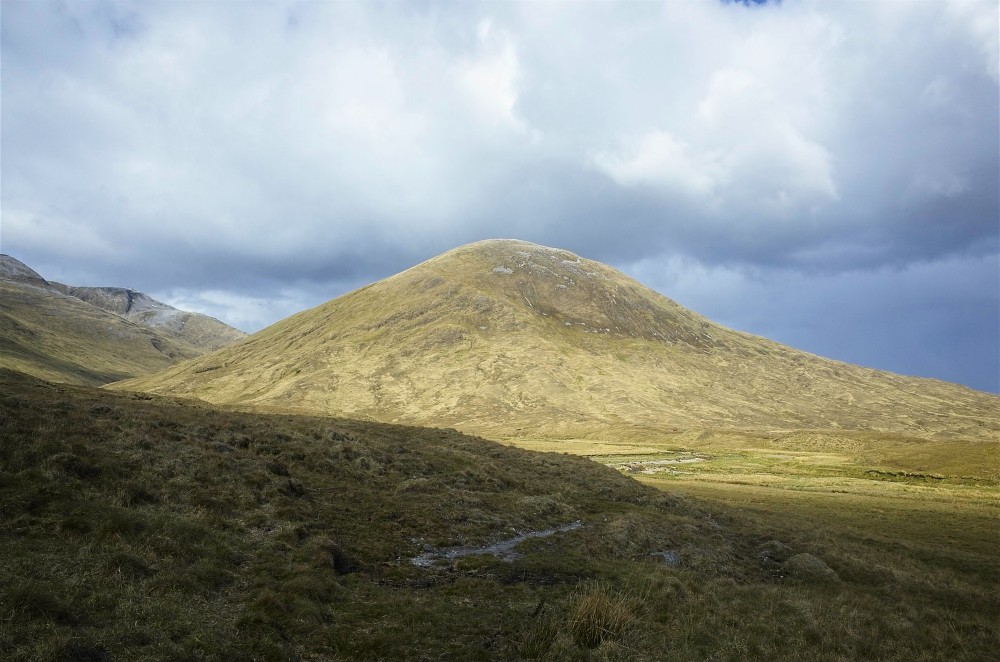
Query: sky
{"points": [[821, 173]]}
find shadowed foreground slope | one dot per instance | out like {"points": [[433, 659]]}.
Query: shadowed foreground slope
{"points": [[136, 528], [511, 339]]}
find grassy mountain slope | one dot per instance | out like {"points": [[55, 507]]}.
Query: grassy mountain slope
{"points": [[140, 528], [510, 339], [199, 331], [60, 338], [47, 331]]}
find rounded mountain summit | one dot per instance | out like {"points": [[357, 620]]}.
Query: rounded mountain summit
{"points": [[510, 339]]}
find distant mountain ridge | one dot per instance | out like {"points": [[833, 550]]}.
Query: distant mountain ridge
{"points": [[15, 271], [95, 335], [510, 339], [199, 330], [119, 300]]}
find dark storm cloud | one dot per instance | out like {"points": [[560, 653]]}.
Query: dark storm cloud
{"points": [[919, 320], [251, 159]]}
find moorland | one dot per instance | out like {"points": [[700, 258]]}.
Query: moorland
{"points": [[508, 452]]}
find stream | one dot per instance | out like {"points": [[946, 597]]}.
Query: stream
{"points": [[503, 549]]}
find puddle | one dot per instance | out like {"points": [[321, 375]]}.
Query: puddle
{"points": [[503, 549]]}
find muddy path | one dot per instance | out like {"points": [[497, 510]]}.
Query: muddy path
{"points": [[504, 549]]}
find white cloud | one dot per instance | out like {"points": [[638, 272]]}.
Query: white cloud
{"points": [[50, 231], [261, 144], [245, 312], [981, 20], [940, 185], [778, 173], [490, 77], [323, 124], [659, 161]]}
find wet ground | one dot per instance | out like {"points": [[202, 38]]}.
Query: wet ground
{"points": [[504, 549]]}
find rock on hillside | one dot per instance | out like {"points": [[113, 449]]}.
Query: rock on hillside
{"points": [[511, 339]]}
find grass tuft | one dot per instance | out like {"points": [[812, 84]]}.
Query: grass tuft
{"points": [[38, 600], [599, 614]]}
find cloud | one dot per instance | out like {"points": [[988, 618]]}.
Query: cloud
{"points": [[490, 78], [661, 162], [979, 20], [243, 311], [920, 320], [250, 148]]}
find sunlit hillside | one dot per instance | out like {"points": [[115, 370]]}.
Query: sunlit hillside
{"points": [[94, 335], [515, 340]]}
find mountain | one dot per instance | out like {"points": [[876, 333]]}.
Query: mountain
{"points": [[94, 335], [15, 271], [201, 331], [510, 339]]}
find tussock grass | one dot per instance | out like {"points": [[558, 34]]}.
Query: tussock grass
{"points": [[599, 614], [149, 529]]}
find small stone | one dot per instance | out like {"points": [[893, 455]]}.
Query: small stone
{"points": [[775, 550]]}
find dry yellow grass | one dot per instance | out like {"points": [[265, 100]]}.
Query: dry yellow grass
{"points": [[60, 338], [142, 528], [516, 341], [94, 335]]}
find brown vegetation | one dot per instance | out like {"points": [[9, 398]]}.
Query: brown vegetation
{"points": [[137, 528], [517, 341]]}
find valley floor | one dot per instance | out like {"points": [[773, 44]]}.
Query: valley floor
{"points": [[927, 544]]}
